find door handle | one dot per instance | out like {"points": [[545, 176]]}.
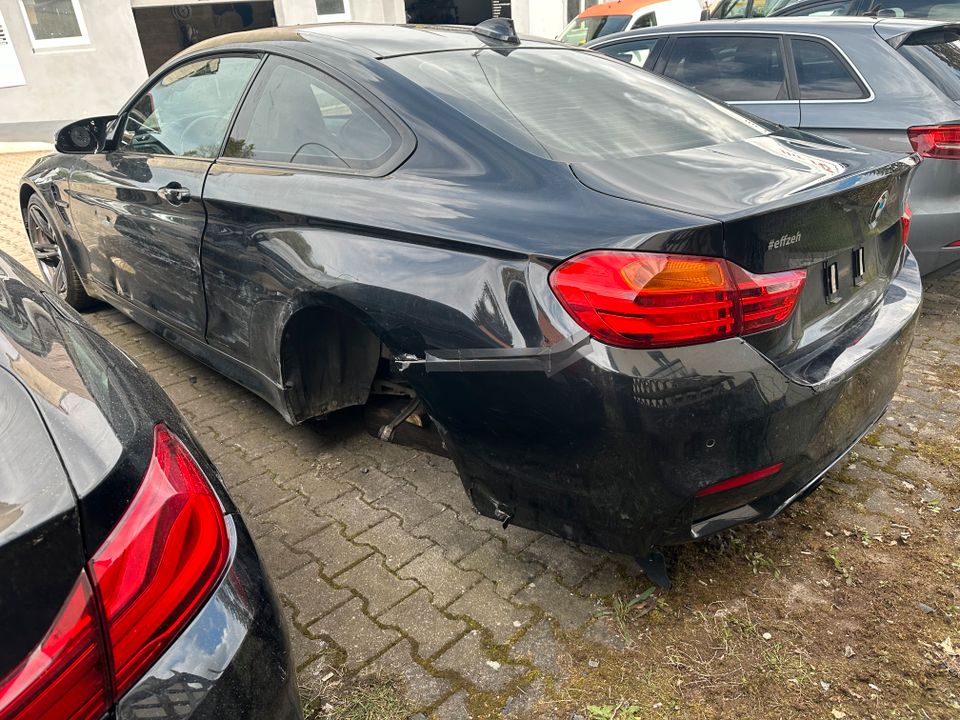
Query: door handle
{"points": [[174, 193]]}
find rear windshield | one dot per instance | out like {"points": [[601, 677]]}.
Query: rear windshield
{"points": [[574, 106], [937, 55], [933, 9], [583, 30]]}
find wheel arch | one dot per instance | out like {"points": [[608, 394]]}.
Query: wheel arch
{"points": [[328, 355]]}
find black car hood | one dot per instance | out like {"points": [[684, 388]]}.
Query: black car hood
{"points": [[732, 180]]}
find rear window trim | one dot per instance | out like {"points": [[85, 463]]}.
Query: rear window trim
{"points": [[844, 61]]}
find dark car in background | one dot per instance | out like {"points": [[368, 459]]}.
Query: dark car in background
{"points": [[887, 84], [633, 315], [131, 588], [925, 9]]}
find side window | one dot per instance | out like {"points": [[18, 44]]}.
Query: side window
{"points": [[635, 52], [296, 114], [827, 9], [648, 20], [735, 9], [187, 111], [730, 67], [822, 74]]}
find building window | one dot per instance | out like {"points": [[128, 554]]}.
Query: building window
{"points": [[54, 23], [330, 10]]}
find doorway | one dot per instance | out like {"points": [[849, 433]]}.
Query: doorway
{"points": [[166, 30], [455, 12]]}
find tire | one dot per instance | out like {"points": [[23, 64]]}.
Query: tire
{"points": [[56, 267]]}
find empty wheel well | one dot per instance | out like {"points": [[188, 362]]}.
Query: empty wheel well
{"points": [[26, 192], [328, 361]]}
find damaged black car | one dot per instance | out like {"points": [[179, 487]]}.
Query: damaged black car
{"points": [[634, 316]]}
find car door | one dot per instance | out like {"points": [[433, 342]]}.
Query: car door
{"points": [[137, 207], [304, 150], [748, 71]]}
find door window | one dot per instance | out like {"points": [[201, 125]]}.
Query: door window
{"points": [[730, 67], [822, 74], [635, 52], [296, 114], [187, 111]]}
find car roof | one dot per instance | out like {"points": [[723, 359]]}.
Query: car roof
{"points": [[827, 26], [617, 7], [368, 39]]}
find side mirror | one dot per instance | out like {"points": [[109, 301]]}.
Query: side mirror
{"points": [[87, 136]]}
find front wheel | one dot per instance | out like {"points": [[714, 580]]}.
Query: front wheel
{"points": [[55, 265]]}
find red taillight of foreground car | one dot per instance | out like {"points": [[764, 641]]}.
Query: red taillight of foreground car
{"points": [[938, 142], [740, 480], [161, 561], [149, 578], [65, 675], [653, 300]]}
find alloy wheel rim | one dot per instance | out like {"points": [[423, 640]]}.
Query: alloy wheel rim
{"points": [[47, 252]]}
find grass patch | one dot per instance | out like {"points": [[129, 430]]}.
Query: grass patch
{"points": [[373, 698]]}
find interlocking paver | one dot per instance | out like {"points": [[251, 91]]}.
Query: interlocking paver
{"points": [[417, 617], [396, 544], [569, 609], [456, 537], [353, 512], [334, 552], [309, 594], [355, 633], [494, 614], [411, 508], [508, 571], [442, 578], [381, 588], [422, 688], [294, 521], [467, 659]]}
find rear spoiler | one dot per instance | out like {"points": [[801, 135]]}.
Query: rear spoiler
{"points": [[896, 34]]}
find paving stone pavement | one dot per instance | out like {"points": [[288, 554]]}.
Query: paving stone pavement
{"points": [[379, 560]]}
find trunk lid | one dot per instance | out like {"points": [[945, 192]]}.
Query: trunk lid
{"points": [[785, 202], [40, 544]]}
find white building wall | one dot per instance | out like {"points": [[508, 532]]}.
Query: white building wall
{"points": [[544, 18], [77, 81]]}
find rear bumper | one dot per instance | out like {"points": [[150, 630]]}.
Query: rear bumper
{"points": [[935, 204], [232, 661], [612, 449]]}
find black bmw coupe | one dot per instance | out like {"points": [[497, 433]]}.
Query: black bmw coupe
{"points": [[634, 315]]}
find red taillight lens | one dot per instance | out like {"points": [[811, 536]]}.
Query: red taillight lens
{"points": [[905, 223], [152, 574], [940, 142], [161, 561], [651, 300], [740, 480], [64, 677]]}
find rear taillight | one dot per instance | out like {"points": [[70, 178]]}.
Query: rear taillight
{"points": [[940, 142], [149, 579], [161, 561], [65, 675], [905, 223], [652, 300]]}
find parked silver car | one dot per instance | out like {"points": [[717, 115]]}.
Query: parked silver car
{"points": [[885, 83]]}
